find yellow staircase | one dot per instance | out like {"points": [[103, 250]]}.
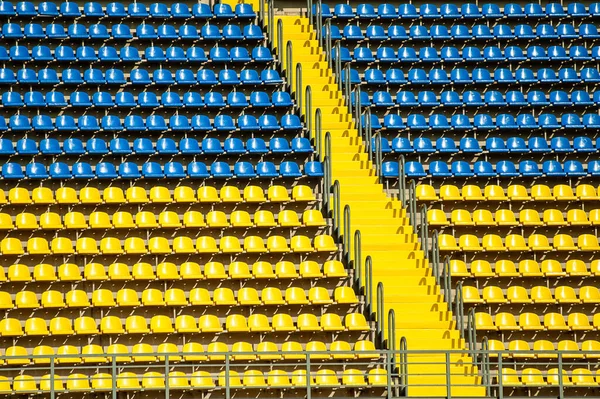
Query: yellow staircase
{"points": [[410, 289]]}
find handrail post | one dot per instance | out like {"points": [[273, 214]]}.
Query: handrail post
{"points": [[318, 120], [113, 372], [347, 86], [308, 119], [380, 315], [308, 378], [328, 44], [227, 382], [346, 235], [289, 64], [358, 110], [447, 279], [338, 61], [500, 379], [279, 38], [299, 86], [401, 181], [378, 156], [357, 260], [369, 285], [336, 208], [52, 376], [412, 204], [424, 235], [458, 309], [561, 386], [448, 377], [320, 22], [402, 368], [368, 134], [271, 29], [261, 14], [309, 13], [167, 396]]}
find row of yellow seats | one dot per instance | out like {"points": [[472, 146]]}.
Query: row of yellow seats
{"points": [[516, 242], [526, 268], [536, 378], [157, 194], [170, 271], [177, 297], [506, 217], [35, 326], [166, 219], [590, 349], [190, 352], [537, 294], [515, 192], [249, 379], [162, 245], [531, 322]]}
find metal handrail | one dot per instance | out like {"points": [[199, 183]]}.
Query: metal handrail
{"points": [[338, 64], [271, 25], [378, 156], [403, 366], [289, 49], [412, 203], [328, 44], [357, 260], [368, 133], [459, 309], [401, 181], [347, 233], [424, 236], [380, 315], [358, 111], [299, 86], [319, 12], [336, 207], [347, 88], [308, 118], [447, 279], [369, 287]]}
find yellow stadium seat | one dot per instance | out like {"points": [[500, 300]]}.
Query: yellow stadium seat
{"points": [[11, 246], [303, 193], [506, 322], [264, 219], [449, 192], [61, 326], [43, 195], [184, 194], [307, 322], [48, 383], [541, 294], [119, 352], [239, 270], [591, 348], [254, 194], [530, 322], [278, 194], [167, 349], [85, 245], [3, 197], [578, 322], [553, 378], [62, 245], [6, 222], [492, 294], [259, 323], [353, 378], [95, 272], [118, 271], [532, 377], [302, 244], [85, 325], [16, 356], [306, 269], [365, 350], [555, 321], [240, 219], [588, 242], [324, 243], [505, 217], [161, 195], [278, 379], [248, 296], [77, 299], [208, 194], [492, 242], [232, 379], [216, 351], [326, 378], [108, 245], [377, 378], [530, 217], [345, 295], [295, 296], [206, 245], [193, 352], [586, 192], [268, 351], [520, 349], [541, 192], [437, 217], [481, 268], [26, 221], [19, 195], [230, 245], [78, 382], [516, 242], [52, 299], [263, 270], [458, 268], [459, 217], [530, 268], [563, 192], [142, 271], [186, 324], [539, 242], [230, 194], [224, 296], [254, 379], [334, 268], [570, 349], [447, 242], [472, 193], [136, 325], [23, 300], [123, 220], [517, 294], [589, 294], [2, 275], [546, 346], [33, 326], [494, 192], [595, 267], [136, 195], [471, 295], [69, 272], [43, 354], [288, 219], [565, 294], [146, 220], [289, 347], [161, 324], [190, 271], [299, 379], [215, 270], [152, 297], [425, 192], [553, 217], [128, 381], [73, 220], [68, 354], [113, 195], [469, 242], [333, 322], [483, 217], [160, 245], [272, 296], [19, 272], [596, 321], [313, 218], [44, 272], [143, 353], [277, 244], [577, 217], [356, 322], [209, 323], [6, 301], [167, 271], [181, 245], [583, 378], [509, 378], [193, 219], [552, 268], [319, 296], [236, 323], [576, 267], [341, 350], [178, 380], [201, 380], [87, 195], [99, 220], [24, 384], [317, 350], [111, 325], [283, 322], [38, 246]]}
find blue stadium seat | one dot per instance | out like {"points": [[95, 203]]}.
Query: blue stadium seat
{"points": [[116, 10], [6, 146], [148, 99], [301, 145], [220, 170], [237, 100], [37, 170], [313, 169], [12, 99], [129, 54], [417, 76], [481, 76], [171, 99], [201, 123], [506, 121], [234, 146], [591, 121], [102, 99], [156, 123], [279, 145], [192, 100], [197, 170], [50, 147], [129, 170], [59, 170], [495, 145], [82, 170], [469, 145], [7, 9], [73, 146], [390, 169], [211, 145], [93, 76], [548, 121], [190, 146], [574, 169], [12, 170], [526, 122], [392, 76], [382, 99], [427, 99], [571, 121], [26, 147], [202, 11], [159, 10], [143, 146], [373, 33], [516, 145], [583, 144], [179, 123], [553, 168], [65, 123], [401, 145], [393, 122], [42, 123], [529, 169], [245, 11], [439, 122], [291, 122], [268, 123], [134, 123], [224, 123], [248, 123], [137, 10], [98, 32], [174, 170], [256, 146], [525, 75], [593, 168], [439, 169], [7, 76], [244, 170], [152, 170], [125, 99], [287, 169], [438, 77], [493, 54], [423, 145], [538, 145], [111, 123], [446, 145], [515, 99]]}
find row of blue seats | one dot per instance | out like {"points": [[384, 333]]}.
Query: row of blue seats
{"points": [[130, 170], [461, 11], [468, 54], [485, 169], [493, 145], [124, 32], [485, 122], [462, 32], [163, 146], [471, 98], [138, 76], [237, 99], [461, 76], [120, 10], [132, 54], [135, 123]]}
